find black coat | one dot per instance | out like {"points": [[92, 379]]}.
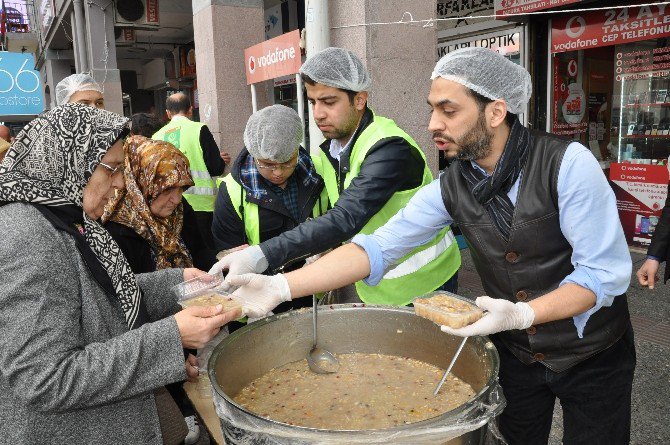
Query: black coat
{"points": [[138, 252], [660, 242], [390, 166], [274, 218]]}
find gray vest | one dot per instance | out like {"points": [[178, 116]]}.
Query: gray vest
{"points": [[534, 261]]}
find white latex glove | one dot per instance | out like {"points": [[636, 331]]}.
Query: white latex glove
{"points": [[259, 294], [253, 320], [249, 260], [502, 315]]}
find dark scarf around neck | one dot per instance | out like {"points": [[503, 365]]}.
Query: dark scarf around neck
{"points": [[491, 191]]}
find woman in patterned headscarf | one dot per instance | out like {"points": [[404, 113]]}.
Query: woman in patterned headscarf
{"points": [[87, 345], [155, 227], [149, 219]]}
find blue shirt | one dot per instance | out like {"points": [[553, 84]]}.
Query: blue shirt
{"points": [[588, 219]]}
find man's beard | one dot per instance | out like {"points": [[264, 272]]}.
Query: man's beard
{"points": [[475, 143], [346, 130]]}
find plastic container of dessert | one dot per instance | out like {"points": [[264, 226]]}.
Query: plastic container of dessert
{"points": [[446, 308], [205, 290]]}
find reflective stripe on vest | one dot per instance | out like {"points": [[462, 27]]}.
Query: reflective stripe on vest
{"points": [[425, 268], [185, 135], [248, 211]]}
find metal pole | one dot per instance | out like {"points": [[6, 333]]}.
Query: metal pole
{"points": [[254, 104], [317, 37], [79, 24], [301, 105]]}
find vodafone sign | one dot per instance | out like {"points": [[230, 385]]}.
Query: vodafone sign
{"points": [[507, 7], [273, 58], [609, 27]]}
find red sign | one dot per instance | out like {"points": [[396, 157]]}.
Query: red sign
{"points": [[273, 58], [506, 7], [152, 12], [572, 32], [641, 190]]}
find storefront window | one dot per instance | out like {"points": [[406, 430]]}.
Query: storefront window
{"points": [[611, 91]]}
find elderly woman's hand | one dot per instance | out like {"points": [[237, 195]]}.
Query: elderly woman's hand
{"points": [[198, 325], [192, 272], [191, 368]]}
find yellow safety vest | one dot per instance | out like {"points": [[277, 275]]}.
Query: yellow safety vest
{"points": [[425, 268], [248, 211], [185, 135]]}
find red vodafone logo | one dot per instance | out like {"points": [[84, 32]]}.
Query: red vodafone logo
{"points": [[575, 27], [252, 64]]}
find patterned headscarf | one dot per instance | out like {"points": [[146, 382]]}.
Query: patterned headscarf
{"points": [[50, 163], [151, 167]]}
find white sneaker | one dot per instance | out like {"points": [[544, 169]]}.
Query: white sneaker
{"points": [[193, 430]]}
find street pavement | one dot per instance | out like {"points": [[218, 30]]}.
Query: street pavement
{"points": [[650, 315]]}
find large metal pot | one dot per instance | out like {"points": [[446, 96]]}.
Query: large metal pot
{"points": [[274, 341]]}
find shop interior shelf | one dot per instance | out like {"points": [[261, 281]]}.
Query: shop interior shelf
{"points": [[646, 136], [659, 104]]}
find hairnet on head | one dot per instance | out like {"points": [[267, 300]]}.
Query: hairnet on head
{"points": [[273, 133], [73, 83], [337, 68], [489, 74]]}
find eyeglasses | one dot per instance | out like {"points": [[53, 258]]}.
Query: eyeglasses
{"points": [[112, 170], [285, 166]]}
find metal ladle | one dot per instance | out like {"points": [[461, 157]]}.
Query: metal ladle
{"points": [[451, 365], [319, 360]]}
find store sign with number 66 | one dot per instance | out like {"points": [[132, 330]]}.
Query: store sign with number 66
{"points": [[20, 85]]}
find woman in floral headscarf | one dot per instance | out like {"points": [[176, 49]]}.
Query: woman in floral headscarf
{"points": [[154, 226], [87, 345]]}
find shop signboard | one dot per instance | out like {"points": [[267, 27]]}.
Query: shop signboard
{"points": [[462, 12], [20, 85], [506, 43], [273, 58], [641, 190], [578, 31], [507, 7]]}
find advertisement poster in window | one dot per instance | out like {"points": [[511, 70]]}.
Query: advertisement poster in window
{"points": [[640, 191], [569, 104]]}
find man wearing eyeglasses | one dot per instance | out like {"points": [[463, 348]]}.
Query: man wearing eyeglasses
{"points": [[371, 169], [273, 185]]}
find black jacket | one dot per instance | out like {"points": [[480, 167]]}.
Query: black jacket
{"points": [[137, 250], [274, 218], [391, 165], [660, 242]]}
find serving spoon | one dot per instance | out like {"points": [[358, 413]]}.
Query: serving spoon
{"points": [[451, 365], [319, 360]]}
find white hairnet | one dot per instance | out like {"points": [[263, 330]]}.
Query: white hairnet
{"points": [[489, 74], [73, 83], [273, 133], [337, 68]]}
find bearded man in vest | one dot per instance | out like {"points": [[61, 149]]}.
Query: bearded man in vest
{"points": [[271, 188], [543, 229], [205, 160], [371, 168]]}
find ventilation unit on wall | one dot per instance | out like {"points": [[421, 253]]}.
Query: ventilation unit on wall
{"points": [[136, 13], [125, 37]]}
